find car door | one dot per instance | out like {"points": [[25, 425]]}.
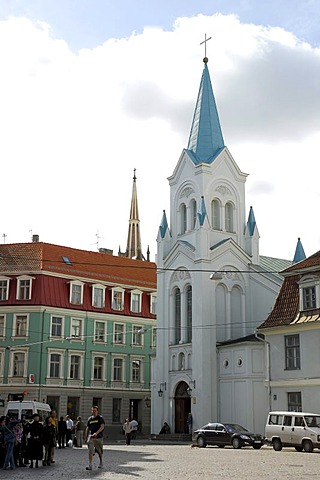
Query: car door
{"points": [[222, 436], [286, 429], [210, 434], [298, 430]]}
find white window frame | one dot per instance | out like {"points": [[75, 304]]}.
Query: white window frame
{"points": [[3, 326], [122, 358], [114, 303], [24, 278], [79, 354], [62, 326], [137, 338], [14, 331], [95, 287], [23, 351], [309, 281], [104, 339], [61, 355], [76, 283], [4, 290], [104, 370], [141, 370], [115, 341], [153, 303], [74, 336], [136, 297]]}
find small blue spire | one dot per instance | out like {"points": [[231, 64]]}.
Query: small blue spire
{"points": [[164, 225], [202, 211], [206, 140], [251, 224], [299, 254]]}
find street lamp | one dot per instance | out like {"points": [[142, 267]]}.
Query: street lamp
{"points": [[160, 391]]}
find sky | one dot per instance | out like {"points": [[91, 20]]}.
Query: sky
{"points": [[91, 89]]}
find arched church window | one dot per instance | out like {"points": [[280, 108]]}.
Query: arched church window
{"points": [[193, 213], [216, 214], [183, 218], [229, 217], [189, 313], [177, 315], [181, 365]]}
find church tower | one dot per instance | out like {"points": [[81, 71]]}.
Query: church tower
{"points": [[213, 286]]}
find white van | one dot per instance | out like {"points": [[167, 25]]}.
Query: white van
{"points": [[293, 429], [27, 408]]}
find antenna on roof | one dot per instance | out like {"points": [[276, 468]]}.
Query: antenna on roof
{"points": [[97, 242], [4, 237]]}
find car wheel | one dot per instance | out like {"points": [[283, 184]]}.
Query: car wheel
{"points": [[307, 446], [201, 442], [236, 442], [257, 447], [299, 449], [277, 445]]}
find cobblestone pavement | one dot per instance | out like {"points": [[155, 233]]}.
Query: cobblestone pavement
{"points": [[148, 460]]}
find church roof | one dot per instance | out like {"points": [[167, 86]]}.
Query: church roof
{"points": [[206, 140]]}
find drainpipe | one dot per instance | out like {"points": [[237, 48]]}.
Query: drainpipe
{"points": [[262, 339], [41, 359]]}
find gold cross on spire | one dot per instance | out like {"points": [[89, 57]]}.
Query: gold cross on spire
{"points": [[205, 47]]}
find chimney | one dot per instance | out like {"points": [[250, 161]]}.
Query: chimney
{"points": [[107, 251], [35, 238]]}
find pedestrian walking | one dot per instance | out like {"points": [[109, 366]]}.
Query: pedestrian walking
{"points": [[10, 441], [54, 422], [94, 436], [79, 428], [49, 440], [69, 422], [62, 432], [127, 427], [35, 445], [189, 423]]}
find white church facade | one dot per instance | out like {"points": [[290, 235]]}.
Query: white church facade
{"points": [[214, 288]]}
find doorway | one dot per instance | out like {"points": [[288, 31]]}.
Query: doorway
{"points": [[182, 403]]}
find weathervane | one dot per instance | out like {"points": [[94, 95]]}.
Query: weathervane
{"points": [[205, 47]]}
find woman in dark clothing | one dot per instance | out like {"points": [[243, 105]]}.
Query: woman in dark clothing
{"points": [[62, 431], [35, 441], [49, 440]]}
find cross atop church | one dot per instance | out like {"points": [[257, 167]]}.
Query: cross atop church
{"points": [[205, 47]]}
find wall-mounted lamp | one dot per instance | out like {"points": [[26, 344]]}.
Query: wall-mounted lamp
{"points": [[160, 391], [189, 389]]}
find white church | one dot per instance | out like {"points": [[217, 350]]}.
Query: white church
{"points": [[214, 288]]}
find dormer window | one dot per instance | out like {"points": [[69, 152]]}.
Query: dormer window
{"points": [[136, 301], [153, 303], [24, 287], [309, 293], [117, 298], [309, 298], [4, 288], [98, 296], [76, 293]]}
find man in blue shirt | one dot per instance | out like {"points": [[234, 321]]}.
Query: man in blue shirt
{"points": [[94, 436]]}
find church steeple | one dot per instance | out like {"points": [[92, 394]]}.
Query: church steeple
{"points": [[206, 140], [299, 253], [133, 249]]}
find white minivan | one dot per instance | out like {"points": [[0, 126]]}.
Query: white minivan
{"points": [[27, 408], [293, 429]]}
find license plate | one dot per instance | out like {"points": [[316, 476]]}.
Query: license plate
{"points": [[256, 441]]}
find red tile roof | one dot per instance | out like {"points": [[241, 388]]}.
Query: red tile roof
{"points": [[45, 257]]}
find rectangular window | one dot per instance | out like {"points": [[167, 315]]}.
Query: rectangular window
{"points": [[24, 289], [97, 368], [154, 337], [56, 326], [117, 369], [18, 364], [294, 402], [135, 302], [21, 326], [119, 333], [292, 352], [98, 297], [100, 331], [116, 410], [136, 371], [2, 326], [55, 361], [4, 290], [76, 294], [75, 367], [117, 300], [137, 335], [153, 305], [76, 328], [309, 298]]}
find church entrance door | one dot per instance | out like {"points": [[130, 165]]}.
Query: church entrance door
{"points": [[182, 407]]}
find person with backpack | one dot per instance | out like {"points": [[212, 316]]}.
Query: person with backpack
{"points": [[94, 436]]}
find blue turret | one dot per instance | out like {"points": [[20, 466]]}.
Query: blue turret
{"points": [[299, 253]]}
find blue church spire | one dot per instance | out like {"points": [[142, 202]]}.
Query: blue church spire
{"points": [[299, 253], [164, 225], [251, 223], [206, 140]]}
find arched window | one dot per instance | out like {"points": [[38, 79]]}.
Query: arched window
{"points": [[193, 213], [189, 313], [181, 365], [177, 315], [229, 217], [215, 213], [183, 218]]}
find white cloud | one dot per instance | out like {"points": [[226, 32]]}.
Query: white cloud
{"points": [[73, 127]]}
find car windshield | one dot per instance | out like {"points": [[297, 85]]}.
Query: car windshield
{"points": [[235, 428], [312, 420]]}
